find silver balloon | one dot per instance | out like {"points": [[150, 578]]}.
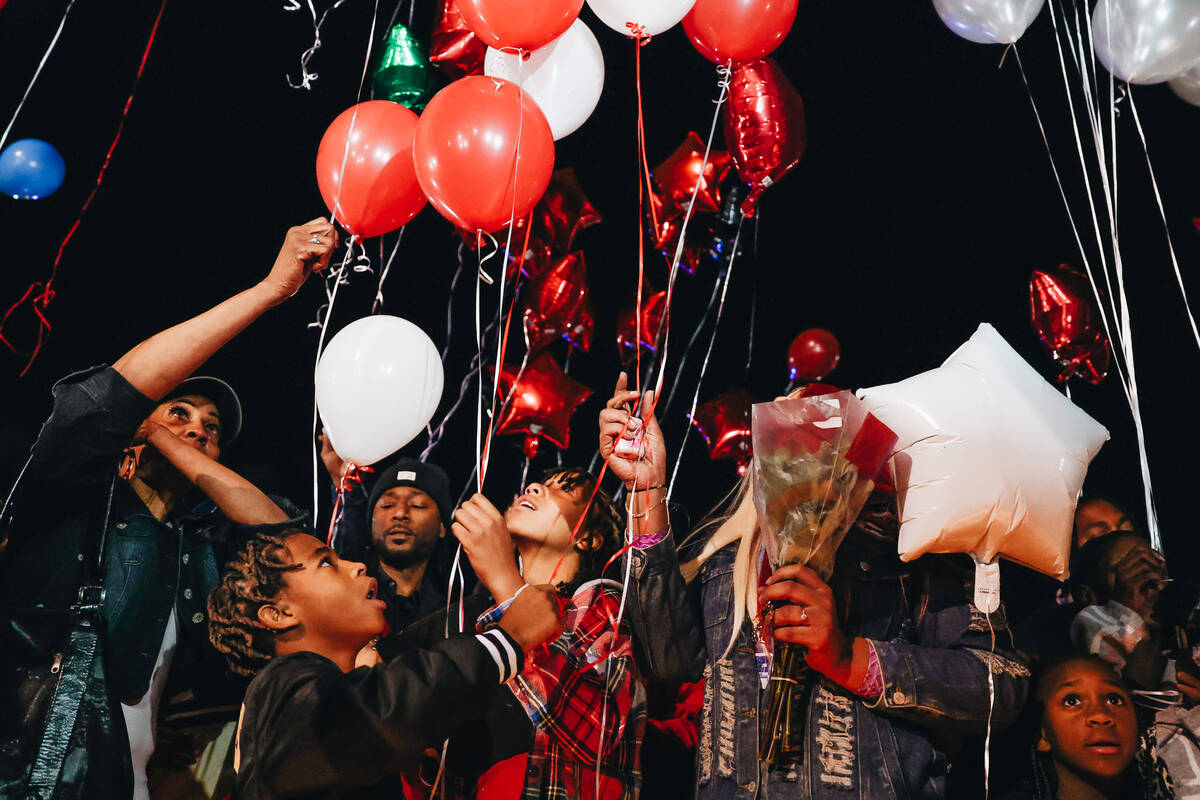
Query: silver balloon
{"points": [[988, 21], [1147, 41], [1187, 85]]}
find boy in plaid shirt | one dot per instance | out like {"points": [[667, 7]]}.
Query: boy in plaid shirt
{"points": [[582, 695]]}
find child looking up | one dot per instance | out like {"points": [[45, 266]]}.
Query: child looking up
{"points": [[1088, 746], [294, 615]]}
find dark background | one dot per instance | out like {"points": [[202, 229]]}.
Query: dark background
{"points": [[921, 206]]}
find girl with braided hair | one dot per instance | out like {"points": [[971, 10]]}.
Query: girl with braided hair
{"points": [[314, 724], [1087, 744]]}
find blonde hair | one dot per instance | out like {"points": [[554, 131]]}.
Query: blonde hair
{"points": [[733, 520]]}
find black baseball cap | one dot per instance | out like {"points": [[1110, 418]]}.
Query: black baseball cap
{"points": [[222, 396], [429, 478]]}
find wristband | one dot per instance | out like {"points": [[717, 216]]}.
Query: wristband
{"points": [[648, 488]]}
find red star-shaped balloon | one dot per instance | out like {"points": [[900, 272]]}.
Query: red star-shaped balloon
{"points": [[539, 402], [454, 47], [653, 308], [724, 422], [676, 178], [557, 304], [1063, 311]]}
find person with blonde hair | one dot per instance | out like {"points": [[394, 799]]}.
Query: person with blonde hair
{"points": [[900, 657]]}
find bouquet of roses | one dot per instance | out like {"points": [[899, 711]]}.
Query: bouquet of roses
{"points": [[816, 460]]}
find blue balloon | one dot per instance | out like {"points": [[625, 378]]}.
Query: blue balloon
{"points": [[31, 169]]}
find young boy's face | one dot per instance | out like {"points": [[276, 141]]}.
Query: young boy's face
{"points": [[546, 513], [332, 599], [1088, 725]]}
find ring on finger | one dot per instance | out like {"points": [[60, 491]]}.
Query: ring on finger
{"points": [[803, 614]]}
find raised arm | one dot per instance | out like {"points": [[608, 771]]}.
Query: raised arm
{"points": [[239, 499], [163, 361], [666, 634]]}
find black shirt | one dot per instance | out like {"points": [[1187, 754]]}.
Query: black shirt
{"points": [[310, 730], [403, 610]]}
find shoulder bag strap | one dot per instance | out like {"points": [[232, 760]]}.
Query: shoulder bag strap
{"points": [[75, 666]]}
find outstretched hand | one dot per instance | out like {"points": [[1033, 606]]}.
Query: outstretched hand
{"points": [[617, 423], [306, 249]]}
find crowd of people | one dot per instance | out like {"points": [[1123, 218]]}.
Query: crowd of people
{"points": [[575, 643]]}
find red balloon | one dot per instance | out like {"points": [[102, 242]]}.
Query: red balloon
{"points": [[454, 48], [540, 402], [724, 422], [519, 24], [764, 126], [813, 355], [557, 304], [739, 30], [1063, 311], [380, 191], [653, 308], [469, 159], [676, 178]]}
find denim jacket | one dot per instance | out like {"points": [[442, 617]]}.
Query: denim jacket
{"points": [[150, 566], [933, 656]]}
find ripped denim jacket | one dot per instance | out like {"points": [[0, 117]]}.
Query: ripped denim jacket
{"points": [[934, 649]]}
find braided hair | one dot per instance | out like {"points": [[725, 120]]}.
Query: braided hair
{"points": [[601, 519], [253, 578]]}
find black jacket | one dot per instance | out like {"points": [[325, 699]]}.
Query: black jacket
{"points": [[310, 730]]}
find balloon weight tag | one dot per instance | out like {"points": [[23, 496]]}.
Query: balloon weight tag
{"points": [[987, 587]]}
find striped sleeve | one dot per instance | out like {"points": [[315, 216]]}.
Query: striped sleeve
{"points": [[504, 651]]}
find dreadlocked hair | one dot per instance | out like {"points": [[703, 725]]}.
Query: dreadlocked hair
{"points": [[601, 519], [253, 579]]}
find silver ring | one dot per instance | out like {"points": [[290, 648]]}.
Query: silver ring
{"points": [[316, 239], [803, 614]]}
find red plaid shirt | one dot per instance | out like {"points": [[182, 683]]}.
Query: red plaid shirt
{"points": [[587, 703]]}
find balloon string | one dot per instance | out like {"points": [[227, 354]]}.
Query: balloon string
{"points": [[323, 323], [707, 356], [502, 343], [1120, 315], [1104, 317], [46, 294], [383, 273], [336, 211], [306, 77], [663, 335], [695, 337], [643, 188], [1163, 215], [36, 73]]}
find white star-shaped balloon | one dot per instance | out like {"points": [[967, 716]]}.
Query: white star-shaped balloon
{"points": [[990, 460]]}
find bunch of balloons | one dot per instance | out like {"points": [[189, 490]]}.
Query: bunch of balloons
{"points": [[1137, 41]]}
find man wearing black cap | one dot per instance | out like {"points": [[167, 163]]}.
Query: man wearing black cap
{"points": [[408, 513], [142, 435]]}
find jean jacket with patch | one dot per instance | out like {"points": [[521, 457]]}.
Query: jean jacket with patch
{"points": [[933, 646]]}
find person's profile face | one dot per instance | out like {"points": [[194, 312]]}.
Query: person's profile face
{"points": [[329, 597], [1097, 518], [546, 513], [1088, 722], [194, 419], [405, 526]]}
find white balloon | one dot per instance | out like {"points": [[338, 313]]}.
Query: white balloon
{"points": [[1187, 85], [564, 77], [641, 17], [1147, 41], [991, 458], [989, 21], [378, 383]]}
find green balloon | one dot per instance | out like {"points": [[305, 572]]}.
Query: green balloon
{"points": [[404, 75]]}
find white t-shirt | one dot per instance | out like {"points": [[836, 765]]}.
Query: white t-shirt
{"points": [[141, 717]]}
